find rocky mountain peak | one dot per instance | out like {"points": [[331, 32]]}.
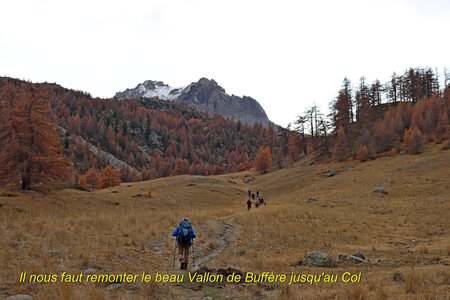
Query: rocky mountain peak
{"points": [[205, 95], [201, 91], [208, 83], [151, 84], [149, 89]]}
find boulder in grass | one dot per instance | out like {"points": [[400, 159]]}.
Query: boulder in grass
{"points": [[329, 173], [320, 259], [90, 271], [342, 258], [114, 286], [312, 200], [359, 254], [358, 257], [379, 189]]}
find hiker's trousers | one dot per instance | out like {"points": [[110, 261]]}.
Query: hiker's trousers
{"points": [[183, 253]]}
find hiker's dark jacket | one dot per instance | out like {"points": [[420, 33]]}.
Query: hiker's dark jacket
{"points": [[177, 230]]}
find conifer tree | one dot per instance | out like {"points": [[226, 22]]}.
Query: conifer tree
{"points": [[30, 150], [110, 177], [341, 146], [363, 153], [263, 160], [413, 140], [443, 126], [181, 167], [91, 179]]}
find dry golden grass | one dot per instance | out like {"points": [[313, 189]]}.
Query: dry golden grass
{"points": [[408, 226], [67, 230], [405, 232]]}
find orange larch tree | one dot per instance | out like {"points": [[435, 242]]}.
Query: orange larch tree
{"points": [[110, 177], [413, 140], [92, 179], [263, 160], [341, 146], [363, 153], [442, 128], [181, 167], [30, 150]]}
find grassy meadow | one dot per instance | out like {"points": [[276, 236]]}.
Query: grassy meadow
{"points": [[404, 232]]}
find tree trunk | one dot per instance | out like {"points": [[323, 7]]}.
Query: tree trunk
{"points": [[26, 183]]}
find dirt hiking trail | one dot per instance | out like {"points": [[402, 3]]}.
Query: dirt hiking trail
{"points": [[217, 235]]}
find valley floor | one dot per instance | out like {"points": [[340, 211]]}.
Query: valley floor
{"points": [[404, 232]]}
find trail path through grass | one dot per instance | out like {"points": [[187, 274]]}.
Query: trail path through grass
{"points": [[220, 232]]}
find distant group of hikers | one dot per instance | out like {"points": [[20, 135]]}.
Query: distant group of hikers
{"points": [[254, 198]]}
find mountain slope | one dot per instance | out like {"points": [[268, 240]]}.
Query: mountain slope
{"points": [[146, 138], [204, 95]]}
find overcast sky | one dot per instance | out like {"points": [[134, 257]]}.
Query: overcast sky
{"points": [[286, 54]]}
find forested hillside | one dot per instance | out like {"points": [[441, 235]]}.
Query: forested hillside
{"points": [[369, 119], [150, 138], [143, 139]]}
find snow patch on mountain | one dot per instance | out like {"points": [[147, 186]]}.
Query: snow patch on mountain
{"points": [[164, 92], [151, 89]]}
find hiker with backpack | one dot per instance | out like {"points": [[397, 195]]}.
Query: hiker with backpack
{"points": [[249, 204], [185, 235]]}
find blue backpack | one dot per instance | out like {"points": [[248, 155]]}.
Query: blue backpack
{"points": [[185, 233]]}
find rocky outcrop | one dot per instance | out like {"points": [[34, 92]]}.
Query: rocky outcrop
{"points": [[207, 96]]}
